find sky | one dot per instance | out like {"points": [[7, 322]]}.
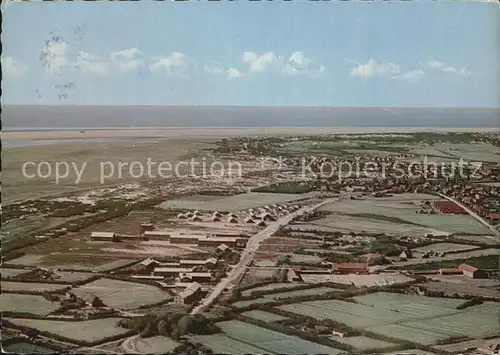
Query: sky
{"points": [[433, 54]]}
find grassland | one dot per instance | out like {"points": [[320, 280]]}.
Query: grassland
{"points": [[121, 294], [234, 203], [15, 186], [418, 319], [79, 262], [155, 345], [264, 316], [91, 331], [31, 286], [283, 295], [364, 343], [241, 338], [268, 287], [375, 212], [33, 304]]}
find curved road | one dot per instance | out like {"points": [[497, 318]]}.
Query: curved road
{"points": [[248, 254]]}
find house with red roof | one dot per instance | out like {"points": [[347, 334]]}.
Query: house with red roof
{"points": [[470, 271]]}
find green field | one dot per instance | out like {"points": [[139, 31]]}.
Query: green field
{"points": [[363, 343], [263, 316], [268, 287], [283, 295], [15, 186], [33, 304], [419, 319], [242, 338], [236, 202], [91, 331]]}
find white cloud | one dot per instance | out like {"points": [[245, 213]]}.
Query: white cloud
{"points": [[215, 68], [453, 70], [177, 64], [234, 73], [128, 60], [297, 64], [89, 64], [434, 64], [218, 69], [260, 63], [372, 69], [12, 67], [55, 56], [412, 76]]}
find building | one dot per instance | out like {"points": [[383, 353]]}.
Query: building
{"points": [[266, 217], [103, 236], [249, 220], [210, 262], [470, 271], [262, 224], [189, 263], [448, 207], [351, 268], [189, 294], [184, 239], [215, 219], [293, 276], [450, 271], [144, 227], [216, 241], [171, 271], [147, 266], [223, 248], [232, 220], [157, 235], [92, 300], [195, 277]]}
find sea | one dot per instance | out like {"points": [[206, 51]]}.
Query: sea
{"points": [[29, 118]]}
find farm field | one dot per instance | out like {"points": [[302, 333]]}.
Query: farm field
{"points": [[236, 202], [444, 247], [424, 320], [222, 344], [31, 286], [34, 304], [462, 346], [121, 294], [347, 224], [97, 263], [155, 345], [303, 258], [12, 272], [477, 238], [70, 276], [269, 287], [462, 288], [264, 316], [358, 280], [268, 341], [26, 348], [406, 211], [283, 295], [481, 152], [91, 331], [363, 343]]}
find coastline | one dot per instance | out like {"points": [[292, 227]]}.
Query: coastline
{"points": [[207, 132]]}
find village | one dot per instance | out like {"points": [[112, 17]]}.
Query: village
{"points": [[365, 264]]}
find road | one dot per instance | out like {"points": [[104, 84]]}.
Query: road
{"points": [[475, 215], [248, 254]]}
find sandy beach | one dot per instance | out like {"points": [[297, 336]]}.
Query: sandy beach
{"points": [[211, 133]]}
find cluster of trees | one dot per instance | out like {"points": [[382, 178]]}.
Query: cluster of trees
{"points": [[172, 325]]}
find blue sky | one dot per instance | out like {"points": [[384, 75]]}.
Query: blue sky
{"points": [[248, 53]]}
